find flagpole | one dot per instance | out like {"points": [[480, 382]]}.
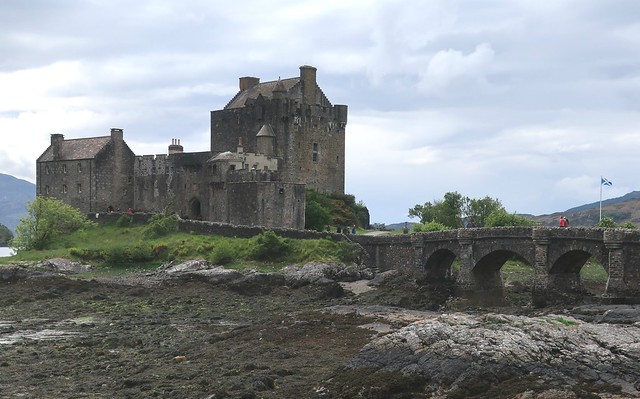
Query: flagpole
{"points": [[600, 198]]}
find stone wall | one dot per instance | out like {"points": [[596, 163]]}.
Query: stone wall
{"points": [[114, 176]]}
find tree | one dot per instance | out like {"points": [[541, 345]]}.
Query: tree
{"points": [[5, 235], [447, 212], [343, 210], [316, 217], [47, 218], [477, 210]]}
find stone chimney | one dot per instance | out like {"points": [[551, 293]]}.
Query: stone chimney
{"points": [[56, 145], [308, 79], [240, 149], [175, 147], [117, 134], [248, 82]]}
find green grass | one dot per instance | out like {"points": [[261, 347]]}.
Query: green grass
{"points": [[116, 250]]}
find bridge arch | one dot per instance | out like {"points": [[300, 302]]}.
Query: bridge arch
{"points": [[439, 264]]}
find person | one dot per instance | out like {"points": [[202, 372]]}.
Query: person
{"points": [[563, 222], [353, 229], [566, 222]]}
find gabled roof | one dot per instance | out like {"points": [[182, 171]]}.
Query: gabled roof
{"points": [[73, 149], [265, 89]]}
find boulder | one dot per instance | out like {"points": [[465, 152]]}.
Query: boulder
{"points": [[315, 271], [64, 266]]}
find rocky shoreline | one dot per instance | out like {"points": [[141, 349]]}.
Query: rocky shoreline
{"points": [[195, 330]]}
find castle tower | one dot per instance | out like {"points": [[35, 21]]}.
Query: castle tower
{"points": [[295, 122]]}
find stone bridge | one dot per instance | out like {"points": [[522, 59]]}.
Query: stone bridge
{"points": [[556, 256]]}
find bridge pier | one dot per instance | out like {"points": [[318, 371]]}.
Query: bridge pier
{"points": [[540, 289], [616, 286], [483, 288]]}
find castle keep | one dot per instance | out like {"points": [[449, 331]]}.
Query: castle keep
{"points": [[269, 143]]}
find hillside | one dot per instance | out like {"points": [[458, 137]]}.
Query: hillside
{"points": [[14, 195], [622, 209]]}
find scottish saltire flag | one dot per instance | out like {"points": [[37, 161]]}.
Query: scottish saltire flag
{"points": [[605, 182]]}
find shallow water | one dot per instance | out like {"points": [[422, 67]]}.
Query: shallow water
{"points": [[6, 251]]}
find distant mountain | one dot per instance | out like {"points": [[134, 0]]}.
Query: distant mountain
{"points": [[596, 205], [621, 209], [14, 195]]}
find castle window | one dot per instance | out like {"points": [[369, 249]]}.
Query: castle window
{"points": [[314, 153], [46, 190], [47, 170], [79, 168], [64, 168], [79, 188], [232, 167], [64, 189]]}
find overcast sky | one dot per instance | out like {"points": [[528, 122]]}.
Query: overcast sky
{"points": [[526, 101]]}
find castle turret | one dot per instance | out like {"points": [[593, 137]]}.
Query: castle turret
{"points": [[175, 147], [266, 140], [308, 79], [56, 145]]}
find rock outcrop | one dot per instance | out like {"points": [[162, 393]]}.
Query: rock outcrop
{"points": [[462, 355]]}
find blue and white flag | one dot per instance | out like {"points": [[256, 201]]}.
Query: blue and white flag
{"points": [[605, 182]]}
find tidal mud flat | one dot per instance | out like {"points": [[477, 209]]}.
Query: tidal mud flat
{"points": [[197, 331]]}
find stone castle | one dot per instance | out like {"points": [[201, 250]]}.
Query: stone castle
{"points": [[268, 144]]}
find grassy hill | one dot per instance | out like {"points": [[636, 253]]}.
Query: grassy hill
{"points": [[621, 211], [14, 195]]}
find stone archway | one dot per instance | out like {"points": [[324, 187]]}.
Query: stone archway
{"points": [[195, 209]]}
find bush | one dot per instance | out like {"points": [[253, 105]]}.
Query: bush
{"points": [[431, 226], [501, 218], [160, 225], [269, 246], [134, 254], [628, 225], [222, 254], [124, 221], [86, 254], [606, 222]]}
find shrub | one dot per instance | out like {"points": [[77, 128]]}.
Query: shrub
{"points": [[269, 246], [628, 225], [503, 218], [124, 221], [86, 254], [606, 222], [222, 254], [431, 226], [134, 254], [160, 225]]}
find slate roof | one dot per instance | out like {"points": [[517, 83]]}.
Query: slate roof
{"points": [[265, 89], [73, 149], [225, 156], [266, 131]]}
